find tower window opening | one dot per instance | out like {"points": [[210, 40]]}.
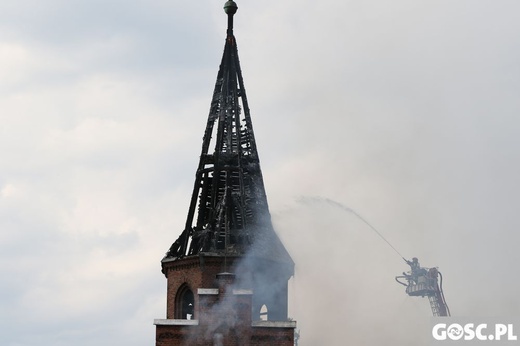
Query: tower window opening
{"points": [[264, 313], [185, 303]]}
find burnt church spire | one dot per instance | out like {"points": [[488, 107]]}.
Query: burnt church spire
{"points": [[228, 213]]}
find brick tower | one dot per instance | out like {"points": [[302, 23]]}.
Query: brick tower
{"points": [[228, 271]]}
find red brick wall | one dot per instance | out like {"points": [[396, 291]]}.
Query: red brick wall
{"points": [[272, 336], [173, 335], [224, 313], [254, 336], [197, 272]]}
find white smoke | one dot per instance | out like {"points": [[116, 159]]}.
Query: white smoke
{"points": [[344, 289]]}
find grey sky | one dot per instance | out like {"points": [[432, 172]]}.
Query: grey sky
{"points": [[405, 111]]}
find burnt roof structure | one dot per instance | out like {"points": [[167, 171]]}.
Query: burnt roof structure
{"points": [[228, 213]]}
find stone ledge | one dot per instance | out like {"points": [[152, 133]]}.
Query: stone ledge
{"points": [[168, 259], [274, 324], [213, 291], [260, 324], [172, 322]]}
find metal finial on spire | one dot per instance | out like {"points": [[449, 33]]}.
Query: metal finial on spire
{"points": [[230, 7]]}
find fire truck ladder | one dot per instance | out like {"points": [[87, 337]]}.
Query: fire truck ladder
{"points": [[425, 282]]}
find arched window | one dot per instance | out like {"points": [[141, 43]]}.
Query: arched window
{"points": [[184, 303], [264, 313]]}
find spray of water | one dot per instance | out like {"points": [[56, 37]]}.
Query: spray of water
{"points": [[336, 204]]}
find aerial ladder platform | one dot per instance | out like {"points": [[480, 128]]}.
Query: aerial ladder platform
{"points": [[425, 282]]}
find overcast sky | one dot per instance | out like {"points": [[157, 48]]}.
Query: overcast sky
{"points": [[405, 111]]}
